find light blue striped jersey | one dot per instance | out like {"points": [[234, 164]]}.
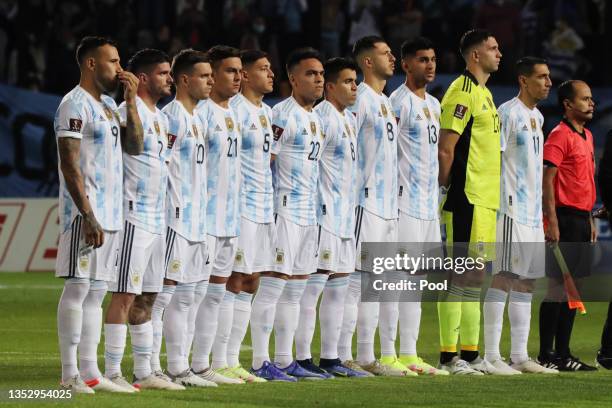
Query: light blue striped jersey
{"points": [[297, 143], [223, 169], [418, 121], [257, 194], [376, 153], [96, 124], [145, 177], [186, 198], [337, 171], [522, 140]]}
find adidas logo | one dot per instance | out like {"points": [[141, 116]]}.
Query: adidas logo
{"points": [[101, 118], [304, 131], [253, 127], [484, 107], [150, 131], [217, 128], [525, 127], [418, 117]]}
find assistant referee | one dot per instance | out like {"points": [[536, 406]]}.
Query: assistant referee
{"points": [[568, 190]]}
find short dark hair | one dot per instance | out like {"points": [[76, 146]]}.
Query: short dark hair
{"points": [[471, 38], [145, 59], [524, 66], [184, 61], [334, 66], [298, 55], [410, 47], [566, 91], [89, 44], [366, 44], [249, 57], [220, 52]]}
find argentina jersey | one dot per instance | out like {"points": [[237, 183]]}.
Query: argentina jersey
{"points": [[186, 197], [522, 143], [376, 153], [257, 194], [418, 121], [297, 144], [96, 124], [223, 170], [145, 177], [337, 171]]}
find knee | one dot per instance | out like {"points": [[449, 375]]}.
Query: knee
{"points": [[140, 312]]}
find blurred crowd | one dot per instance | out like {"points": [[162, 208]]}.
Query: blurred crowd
{"points": [[38, 37]]}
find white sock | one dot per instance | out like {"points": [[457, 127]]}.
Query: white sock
{"points": [[493, 310], [200, 292], [142, 344], [69, 323], [330, 315], [367, 320], [242, 314], [161, 302], [410, 319], [114, 344], [387, 327], [224, 328], [349, 317], [175, 327], [91, 330], [263, 315], [206, 326], [519, 312], [286, 321], [308, 315]]}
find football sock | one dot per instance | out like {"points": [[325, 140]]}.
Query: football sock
{"points": [[161, 302], [387, 327], [206, 326], [606, 334], [519, 313], [175, 327], [69, 323], [198, 297], [564, 330], [330, 316], [349, 317], [469, 327], [493, 310], [449, 318], [410, 318], [263, 315], [367, 321], [308, 315], [114, 345], [142, 343], [224, 328], [286, 321], [242, 315], [91, 330], [549, 320]]}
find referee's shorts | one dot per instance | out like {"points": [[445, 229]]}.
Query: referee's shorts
{"points": [[472, 229], [574, 243]]}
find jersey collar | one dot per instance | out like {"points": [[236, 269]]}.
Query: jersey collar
{"points": [[573, 129], [471, 76]]}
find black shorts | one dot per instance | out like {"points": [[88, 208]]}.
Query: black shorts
{"points": [[574, 242]]}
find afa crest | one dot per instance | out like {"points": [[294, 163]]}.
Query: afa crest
{"points": [[263, 121], [313, 128], [229, 123], [383, 109]]}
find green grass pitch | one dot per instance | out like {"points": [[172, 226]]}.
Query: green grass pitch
{"points": [[29, 359]]}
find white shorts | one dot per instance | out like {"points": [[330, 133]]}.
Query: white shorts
{"points": [[520, 249], [256, 247], [141, 261], [336, 254], [420, 237], [76, 260], [296, 248], [221, 255], [185, 261], [372, 228]]}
